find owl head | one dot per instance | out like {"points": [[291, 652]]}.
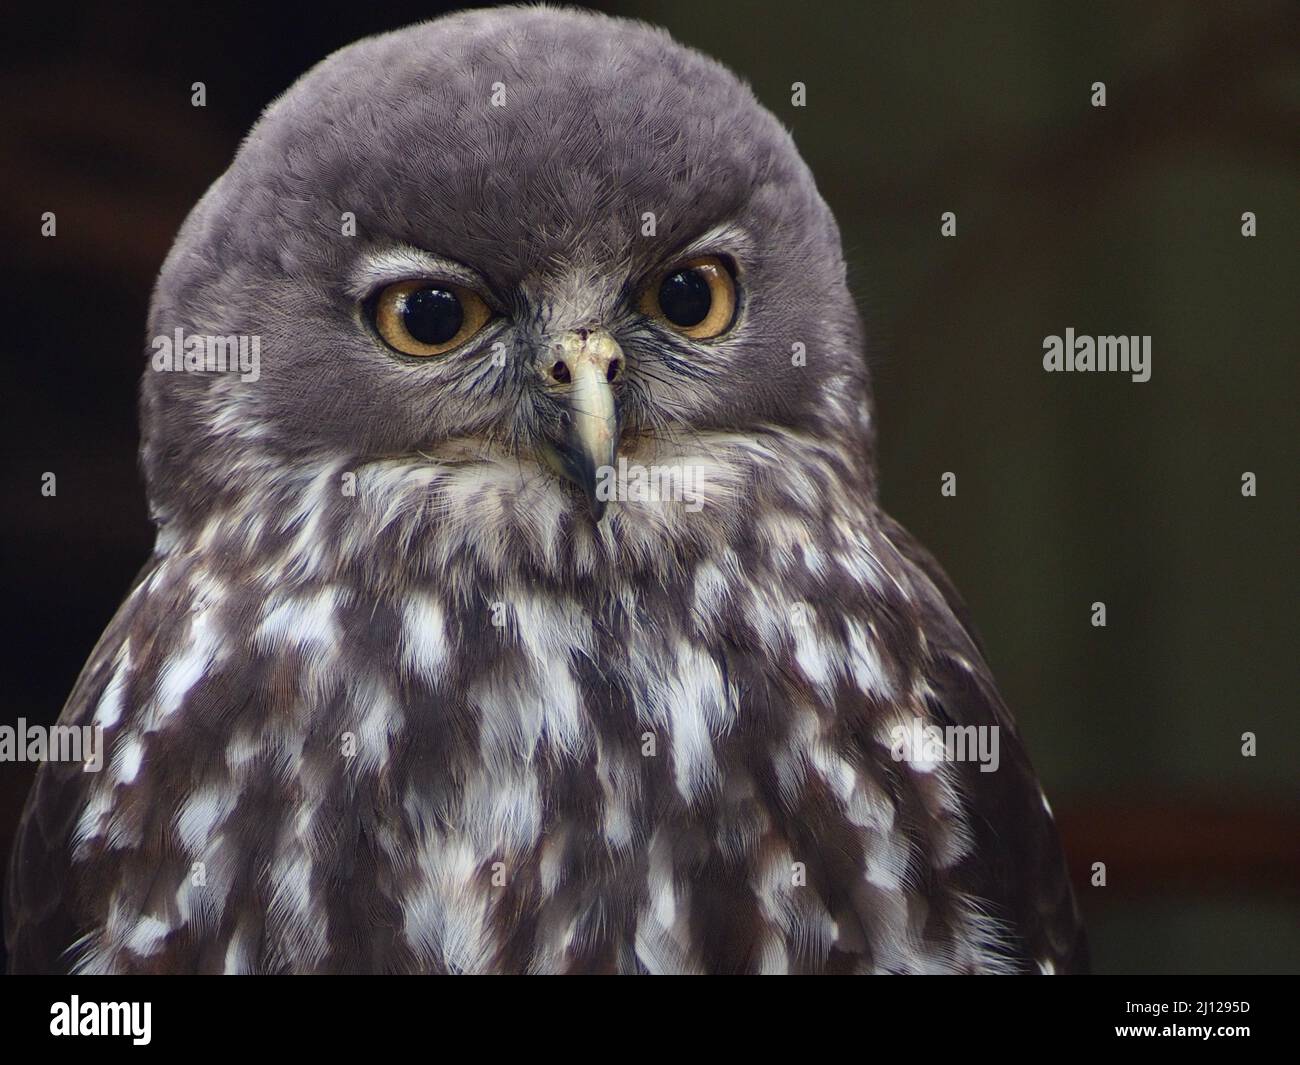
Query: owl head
{"points": [[483, 259]]}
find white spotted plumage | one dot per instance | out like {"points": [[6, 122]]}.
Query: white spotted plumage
{"points": [[397, 693]]}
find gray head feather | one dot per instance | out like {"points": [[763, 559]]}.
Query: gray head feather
{"points": [[526, 145]]}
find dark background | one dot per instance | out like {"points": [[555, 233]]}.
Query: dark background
{"points": [[1071, 488]]}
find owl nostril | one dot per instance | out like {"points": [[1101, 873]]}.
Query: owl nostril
{"points": [[560, 372], [615, 367]]}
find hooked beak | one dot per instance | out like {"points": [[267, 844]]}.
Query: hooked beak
{"points": [[581, 373]]}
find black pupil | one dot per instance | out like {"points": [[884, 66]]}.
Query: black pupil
{"points": [[684, 298], [433, 315]]}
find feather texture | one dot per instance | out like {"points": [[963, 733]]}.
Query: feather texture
{"points": [[387, 699]]}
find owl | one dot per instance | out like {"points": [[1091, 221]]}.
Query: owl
{"points": [[521, 599]]}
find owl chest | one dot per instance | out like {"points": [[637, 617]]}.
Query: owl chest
{"points": [[610, 801], [566, 799]]}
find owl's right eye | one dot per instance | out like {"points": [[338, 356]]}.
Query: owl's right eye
{"points": [[425, 318]]}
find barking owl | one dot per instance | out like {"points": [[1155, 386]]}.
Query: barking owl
{"points": [[521, 600]]}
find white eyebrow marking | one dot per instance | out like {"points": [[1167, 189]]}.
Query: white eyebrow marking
{"points": [[727, 237], [401, 263]]}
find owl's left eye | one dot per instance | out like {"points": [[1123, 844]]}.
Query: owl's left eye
{"points": [[428, 317], [696, 298]]}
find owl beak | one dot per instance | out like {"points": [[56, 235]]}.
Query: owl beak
{"points": [[581, 372]]}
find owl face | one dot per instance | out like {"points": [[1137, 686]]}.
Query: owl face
{"points": [[516, 241]]}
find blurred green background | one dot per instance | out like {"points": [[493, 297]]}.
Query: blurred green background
{"points": [[1072, 488]]}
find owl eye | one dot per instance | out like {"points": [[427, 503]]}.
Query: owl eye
{"points": [[428, 317], [697, 298]]}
